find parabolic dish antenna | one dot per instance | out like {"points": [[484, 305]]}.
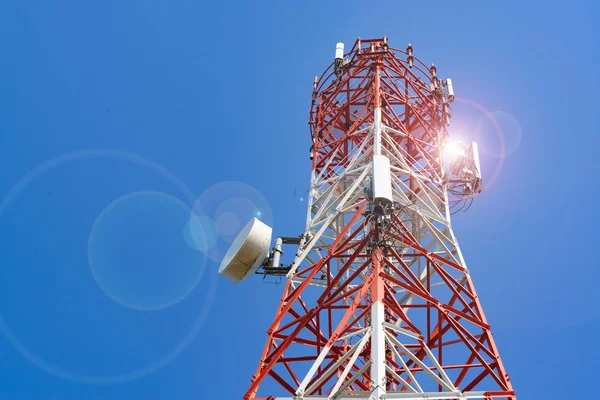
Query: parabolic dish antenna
{"points": [[247, 252]]}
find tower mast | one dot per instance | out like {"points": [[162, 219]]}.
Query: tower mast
{"points": [[378, 302]]}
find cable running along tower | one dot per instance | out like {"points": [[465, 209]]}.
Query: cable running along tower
{"points": [[378, 301]]}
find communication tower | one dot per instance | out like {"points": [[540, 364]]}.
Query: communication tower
{"points": [[378, 301]]}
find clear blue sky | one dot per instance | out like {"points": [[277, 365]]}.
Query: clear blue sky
{"points": [[98, 291]]}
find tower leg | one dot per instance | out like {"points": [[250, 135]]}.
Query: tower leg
{"points": [[378, 374]]}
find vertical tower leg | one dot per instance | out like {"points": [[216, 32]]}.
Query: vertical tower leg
{"points": [[378, 374]]}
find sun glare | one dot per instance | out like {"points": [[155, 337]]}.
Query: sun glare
{"points": [[454, 149]]}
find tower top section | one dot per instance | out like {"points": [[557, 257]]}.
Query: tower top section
{"points": [[414, 111], [419, 85]]}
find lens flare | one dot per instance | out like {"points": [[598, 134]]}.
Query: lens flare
{"points": [[485, 128], [137, 255], [118, 320], [454, 149], [230, 205]]}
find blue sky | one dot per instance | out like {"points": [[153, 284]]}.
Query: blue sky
{"points": [[148, 106]]}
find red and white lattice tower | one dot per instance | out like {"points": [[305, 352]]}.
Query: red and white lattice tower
{"points": [[378, 302]]}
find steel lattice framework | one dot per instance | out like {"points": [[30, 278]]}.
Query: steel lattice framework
{"points": [[379, 307]]}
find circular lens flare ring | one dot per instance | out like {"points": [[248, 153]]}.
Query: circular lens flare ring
{"points": [[137, 255], [497, 130], [187, 338], [228, 206]]}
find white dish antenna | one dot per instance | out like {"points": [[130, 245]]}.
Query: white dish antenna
{"points": [[247, 252]]}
